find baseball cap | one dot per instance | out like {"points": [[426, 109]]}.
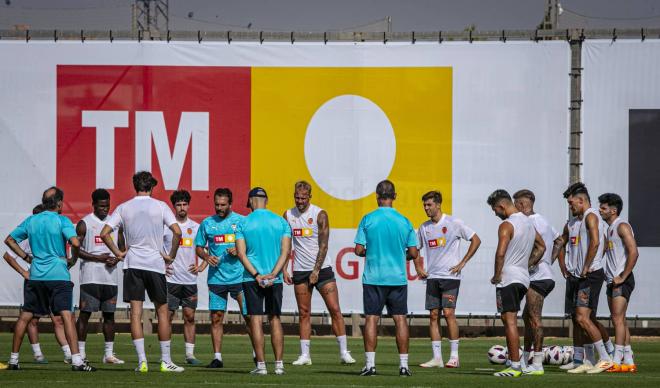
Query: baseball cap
{"points": [[256, 192]]}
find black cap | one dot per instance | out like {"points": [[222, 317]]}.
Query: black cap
{"points": [[256, 192]]}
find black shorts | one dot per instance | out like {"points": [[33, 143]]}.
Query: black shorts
{"points": [[588, 290], [571, 293], [374, 298], [137, 281], [624, 289], [43, 297], [325, 275], [543, 287], [95, 297], [255, 296], [184, 295], [509, 297], [441, 293]]}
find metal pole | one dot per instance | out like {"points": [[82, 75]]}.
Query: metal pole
{"points": [[575, 135]]}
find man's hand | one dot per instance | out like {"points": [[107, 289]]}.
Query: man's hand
{"points": [[28, 259], [421, 273], [193, 268], [314, 277], [111, 261], [167, 258], [232, 251], [617, 281], [564, 272], [287, 278], [496, 280], [457, 268], [267, 279], [26, 275], [169, 270], [212, 260]]}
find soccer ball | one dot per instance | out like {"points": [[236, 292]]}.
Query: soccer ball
{"points": [[555, 355], [568, 354], [497, 354]]}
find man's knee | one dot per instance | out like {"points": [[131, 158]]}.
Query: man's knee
{"points": [[108, 317], [434, 315], [450, 314]]}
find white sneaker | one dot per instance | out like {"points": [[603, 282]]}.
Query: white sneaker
{"points": [[279, 370], [259, 371], [346, 358], [304, 359], [569, 366], [112, 359], [170, 367], [586, 365], [453, 363], [433, 363], [67, 360], [601, 366]]}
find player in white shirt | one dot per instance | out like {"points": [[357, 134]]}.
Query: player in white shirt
{"points": [[519, 247], [620, 258], [98, 275], [310, 229], [182, 273], [32, 329], [541, 282], [583, 270], [142, 219], [441, 237]]}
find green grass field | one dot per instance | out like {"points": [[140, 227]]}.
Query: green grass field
{"points": [[326, 371]]}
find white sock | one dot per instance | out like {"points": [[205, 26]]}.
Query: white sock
{"points": [[628, 355], [76, 359], [67, 351], [453, 345], [515, 365], [370, 359], [602, 351], [343, 347], [279, 364], [254, 354], [261, 365], [578, 354], [609, 346], [190, 350], [524, 358], [437, 349], [81, 349], [538, 359], [589, 353], [139, 349], [618, 354], [217, 356], [36, 349], [403, 360], [304, 347], [13, 358], [165, 351], [109, 349]]}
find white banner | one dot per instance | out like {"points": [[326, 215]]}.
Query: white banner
{"points": [[463, 118], [621, 93]]}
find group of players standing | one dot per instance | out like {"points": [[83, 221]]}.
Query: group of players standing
{"points": [[247, 257]]}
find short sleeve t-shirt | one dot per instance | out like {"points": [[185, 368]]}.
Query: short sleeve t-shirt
{"points": [[441, 242], [543, 270], [48, 233], [386, 234], [185, 256], [217, 234], [263, 231], [142, 219]]}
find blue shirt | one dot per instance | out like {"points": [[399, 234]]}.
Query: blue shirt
{"points": [[48, 233], [218, 234], [263, 231], [386, 234]]}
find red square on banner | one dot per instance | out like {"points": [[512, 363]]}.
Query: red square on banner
{"points": [[190, 124]]}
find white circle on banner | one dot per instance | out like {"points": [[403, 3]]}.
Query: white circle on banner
{"points": [[349, 147]]}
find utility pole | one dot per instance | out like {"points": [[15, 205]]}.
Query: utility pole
{"points": [[551, 16], [150, 18]]}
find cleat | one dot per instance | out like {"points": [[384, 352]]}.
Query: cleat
{"points": [[170, 367], [368, 371], [405, 372], [453, 363], [215, 364], [279, 370], [67, 360], [630, 368], [84, 367], [3, 366], [616, 368], [433, 363], [508, 372], [259, 371], [346, 358], [112, 359], [569, 366], [142, 367], [193, 361], [581, 368], [533, 371], [303, 359], [601, 366], [11, 366], [41, 359]]}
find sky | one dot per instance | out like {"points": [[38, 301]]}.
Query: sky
{"points": [[332, 15]]}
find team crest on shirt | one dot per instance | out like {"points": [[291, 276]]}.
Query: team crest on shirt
{"points": [[437, 243], [233, 227], [310, 220], [189, 231], [186, 242], [303, 232], [444, 230]]}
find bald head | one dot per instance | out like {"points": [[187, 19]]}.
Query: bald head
{"points": [[52, 199]]}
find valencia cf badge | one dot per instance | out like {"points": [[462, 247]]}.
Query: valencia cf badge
{"points": [[310, 220]]}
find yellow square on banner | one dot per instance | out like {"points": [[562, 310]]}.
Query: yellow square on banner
{"points": [[345, 129]]}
